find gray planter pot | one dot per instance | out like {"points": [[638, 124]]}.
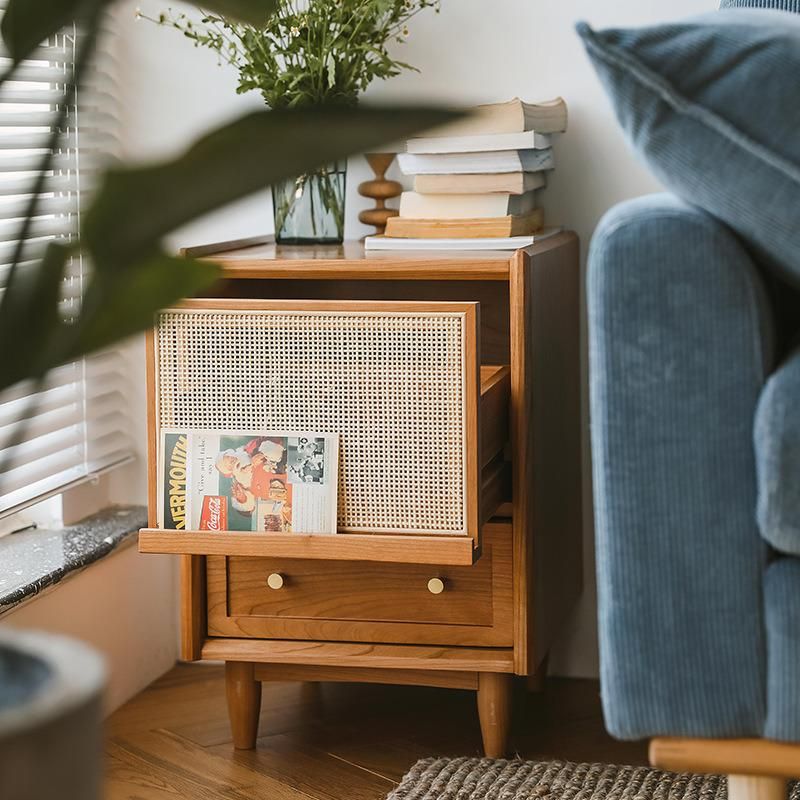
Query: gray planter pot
{"points": [[50, 718]]}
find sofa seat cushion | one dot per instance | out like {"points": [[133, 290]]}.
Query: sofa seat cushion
{"points": [[782, 612], [711, 103], [777, 443]]}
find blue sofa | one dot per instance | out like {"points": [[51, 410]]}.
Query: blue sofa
{"points": [[695, 415], [694, 351]]}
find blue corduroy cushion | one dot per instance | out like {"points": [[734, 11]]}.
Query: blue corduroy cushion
{"points": [[680, 341], [782, 614], [777, 443], [712, 105]]}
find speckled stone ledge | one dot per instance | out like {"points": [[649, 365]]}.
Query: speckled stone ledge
{"points": [[30, 561]]}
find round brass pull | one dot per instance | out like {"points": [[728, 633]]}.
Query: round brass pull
{"points": [[435, 585], [275, 581]]}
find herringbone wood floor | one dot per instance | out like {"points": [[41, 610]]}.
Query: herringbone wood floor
{"points": [[328, 741]]}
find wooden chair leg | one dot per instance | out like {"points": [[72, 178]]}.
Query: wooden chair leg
{"points": [[753, 787], [243, 692], [494, 711]]}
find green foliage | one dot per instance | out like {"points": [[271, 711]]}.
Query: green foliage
{"points": [[310, 52], [135, 207], [27, 23]]}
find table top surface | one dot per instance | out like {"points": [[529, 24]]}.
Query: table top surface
{"points": [[261, 257]]}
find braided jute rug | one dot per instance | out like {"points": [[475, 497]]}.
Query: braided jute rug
{"points": [[497, 779]]}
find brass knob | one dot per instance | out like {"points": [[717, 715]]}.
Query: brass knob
{"points": [[275, 581], [435, 585]]}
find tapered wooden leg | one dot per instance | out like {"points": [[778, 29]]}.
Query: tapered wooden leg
{"points": [[494, 710], [244, 703], [752, 787]]}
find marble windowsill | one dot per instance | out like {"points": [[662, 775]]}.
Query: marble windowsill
{"points": [[33, 560]]}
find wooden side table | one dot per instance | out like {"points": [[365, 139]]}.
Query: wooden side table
{"points": [[467, 610]]}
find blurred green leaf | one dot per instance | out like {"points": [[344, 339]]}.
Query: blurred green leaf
{"points": [[135, 207], [254, 12], [31, 319], [119, 304], [27, 23]]}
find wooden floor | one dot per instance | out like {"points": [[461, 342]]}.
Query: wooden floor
{"points": [[329, 741]]}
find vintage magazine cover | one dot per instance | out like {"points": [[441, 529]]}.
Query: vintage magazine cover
{"points": [[270, 482]]}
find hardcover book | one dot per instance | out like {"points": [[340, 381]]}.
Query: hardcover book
{"points": [[510, 243], [514, 116], [477, 228], [464, 163], [526, 140], [465, 206], [504, 182]]}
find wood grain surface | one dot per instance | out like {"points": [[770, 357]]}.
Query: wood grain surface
{"points": [[322, 741]]}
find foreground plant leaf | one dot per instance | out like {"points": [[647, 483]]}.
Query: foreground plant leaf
{"points": [[255, 12], [27, 23], [119, 304], [135, 207]]}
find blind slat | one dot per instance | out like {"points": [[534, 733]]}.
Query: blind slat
{"points": [[36, 73], [47, 97], [48, 400], [29, 461], [55, 183], [65, 204], [39, 228], [41, 431], [67, 459]]}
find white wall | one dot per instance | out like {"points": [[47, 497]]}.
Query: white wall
{"points": [[474, 51], [117, 605]]}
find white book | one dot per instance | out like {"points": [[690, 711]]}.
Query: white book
{"points": [[503, 182], [525, 140], [476, 163], [510, 117], [373, 243], [465, 206]]}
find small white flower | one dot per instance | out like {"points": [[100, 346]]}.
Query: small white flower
{"points": [[294, 31]]}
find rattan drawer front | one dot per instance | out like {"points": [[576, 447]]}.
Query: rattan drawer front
{"points": [[362, 601], [397, 381]]}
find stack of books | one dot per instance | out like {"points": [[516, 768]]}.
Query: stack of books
{"points": [[476, 181]]}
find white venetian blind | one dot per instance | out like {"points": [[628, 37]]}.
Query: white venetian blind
{"points": [[74, 425]]}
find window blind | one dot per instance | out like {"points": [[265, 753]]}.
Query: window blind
{"points": [[73, 426]]}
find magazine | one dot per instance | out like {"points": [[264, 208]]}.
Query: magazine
{"points": [[268, 482]]}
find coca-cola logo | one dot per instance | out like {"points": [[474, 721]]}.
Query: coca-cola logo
{"points": [[214, 516]]}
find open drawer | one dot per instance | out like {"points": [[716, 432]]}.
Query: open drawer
{"points": [[422, 425]]}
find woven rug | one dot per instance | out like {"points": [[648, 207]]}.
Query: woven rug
{"points": [[496, 779]]}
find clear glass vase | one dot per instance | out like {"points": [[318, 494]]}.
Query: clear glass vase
{"points": [[309, 209]]}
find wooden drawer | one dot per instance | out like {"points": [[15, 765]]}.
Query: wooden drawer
{"points": [[422, 439], [365, 601]]}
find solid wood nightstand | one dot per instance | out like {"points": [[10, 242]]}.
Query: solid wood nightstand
{"points": [[467, 609]]}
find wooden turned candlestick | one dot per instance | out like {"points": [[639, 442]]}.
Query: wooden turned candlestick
{"points": [[380, 190]]}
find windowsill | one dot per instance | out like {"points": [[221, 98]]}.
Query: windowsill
{"points": [[37, 559]]}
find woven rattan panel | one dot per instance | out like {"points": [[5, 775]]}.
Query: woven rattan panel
{"points": [[391, 384]]}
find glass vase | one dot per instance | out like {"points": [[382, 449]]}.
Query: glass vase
{"points": [[309, 209]]}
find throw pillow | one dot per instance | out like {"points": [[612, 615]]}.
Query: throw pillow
{"points": [[713, 105]]}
